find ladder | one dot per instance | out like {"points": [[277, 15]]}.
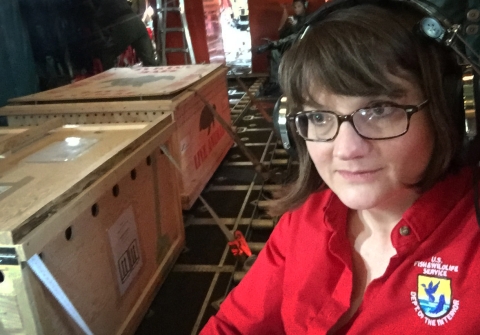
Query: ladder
{"points": [[174, 7]]}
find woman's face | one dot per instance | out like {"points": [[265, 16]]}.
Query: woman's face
{"points": [[368, 174]]}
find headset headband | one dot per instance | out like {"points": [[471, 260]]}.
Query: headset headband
{"points": [[455, 22]]}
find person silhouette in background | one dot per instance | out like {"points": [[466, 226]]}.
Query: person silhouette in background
{"points": [[139, 7], [289, 27], [120, 27]]}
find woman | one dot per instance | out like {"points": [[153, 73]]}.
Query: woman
{"points": [[379, 234]]}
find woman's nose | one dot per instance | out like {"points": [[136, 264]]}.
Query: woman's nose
{"points": [[348, 144]]}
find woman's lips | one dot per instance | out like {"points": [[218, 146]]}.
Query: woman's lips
{"points": [[359, 175]]}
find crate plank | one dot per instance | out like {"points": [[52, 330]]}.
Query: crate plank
{"points": [[135, 83]]}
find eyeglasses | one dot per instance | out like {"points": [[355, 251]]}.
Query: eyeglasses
{"points": [[372, 123]]}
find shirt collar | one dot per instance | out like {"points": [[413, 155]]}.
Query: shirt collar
{"points": [[422, 217], [335, 212], [433, 206]]}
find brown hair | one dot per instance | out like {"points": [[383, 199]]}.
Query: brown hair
{"points": [[351, 52]]}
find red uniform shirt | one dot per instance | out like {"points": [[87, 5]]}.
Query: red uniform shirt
{"points": [[301, 282]]}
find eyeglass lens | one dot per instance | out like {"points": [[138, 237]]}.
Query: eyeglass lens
{"points": [[374, 123]]}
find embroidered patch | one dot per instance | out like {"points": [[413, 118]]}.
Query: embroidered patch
{"points": [[434, 295], [433, 300]]}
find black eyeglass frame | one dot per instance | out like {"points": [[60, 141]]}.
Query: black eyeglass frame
{"points": [[409, 110]]}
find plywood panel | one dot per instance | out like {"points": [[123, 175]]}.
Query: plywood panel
{"points": [[121, 83]]}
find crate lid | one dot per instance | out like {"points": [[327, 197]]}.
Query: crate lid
{"points": [[42, 177], [123, 83]]}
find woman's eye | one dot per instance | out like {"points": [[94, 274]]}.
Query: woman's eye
{"points": [[378, 111], [319, 118]]}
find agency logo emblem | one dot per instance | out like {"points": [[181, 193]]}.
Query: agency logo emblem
{"points": [[434, 295], [434, 300]]}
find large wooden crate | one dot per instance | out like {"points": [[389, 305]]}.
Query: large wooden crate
{"points": [[141, 94], [100, 204]]}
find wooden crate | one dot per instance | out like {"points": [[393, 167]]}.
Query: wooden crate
{"points": [[84, 198], [139, 95]]}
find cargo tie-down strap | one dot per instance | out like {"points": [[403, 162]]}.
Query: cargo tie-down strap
{"points": [[259, 167], [236, 242], [46, 277]]}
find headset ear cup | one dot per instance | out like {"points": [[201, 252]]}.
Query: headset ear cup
{"points": [[453, 94], [476, 100], [472, 143], [283, 127], [453, 91], [292, 150]]}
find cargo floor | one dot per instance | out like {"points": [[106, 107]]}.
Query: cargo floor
{"points": [[206, 270]]}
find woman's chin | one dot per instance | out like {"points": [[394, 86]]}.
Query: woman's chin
{"points": [[359, 201]]}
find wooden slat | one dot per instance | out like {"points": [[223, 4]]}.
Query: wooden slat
{"points": [[86, 107], [121, 83]]}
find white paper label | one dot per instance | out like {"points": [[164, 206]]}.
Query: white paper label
{"points": [[126, 251]]}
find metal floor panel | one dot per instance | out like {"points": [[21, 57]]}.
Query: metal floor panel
{"points": [[239, 175], [236, 155]]}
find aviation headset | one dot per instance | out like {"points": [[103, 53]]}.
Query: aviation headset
{"points": [[452, 23]]}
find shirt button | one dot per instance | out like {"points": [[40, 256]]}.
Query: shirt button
{"points": [[405, 231]]}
